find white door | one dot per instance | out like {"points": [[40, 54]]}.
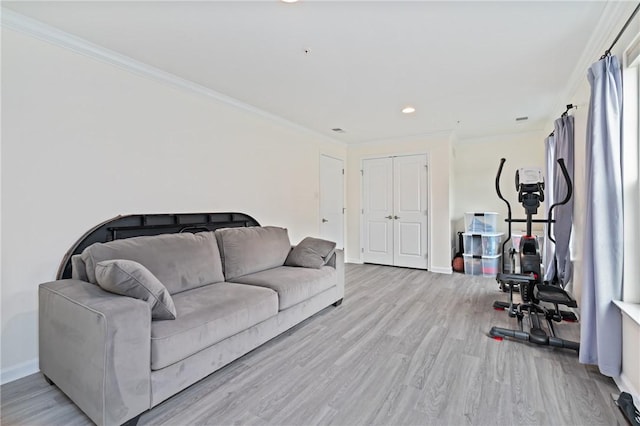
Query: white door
{"points": [[395, 211], [332, 200], [378, 211], [410, 211]]}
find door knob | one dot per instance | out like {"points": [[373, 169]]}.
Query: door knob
{"points": [[396, 217], [389, 217], [324, 220]]}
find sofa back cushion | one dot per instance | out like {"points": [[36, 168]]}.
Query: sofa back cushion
{"points": [[179, 261], [252, 249]]}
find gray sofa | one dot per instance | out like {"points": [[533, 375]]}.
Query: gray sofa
{"points": [[229, 292]]}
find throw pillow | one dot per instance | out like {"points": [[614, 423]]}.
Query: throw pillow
{"points": [[129, 278], [311, 253]]}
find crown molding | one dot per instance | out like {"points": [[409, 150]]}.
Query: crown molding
{"points": [[34, 28], [438, 134], [614, 15], [533, 133]]}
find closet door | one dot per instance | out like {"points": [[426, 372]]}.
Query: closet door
{"points": [[410, 211], [377, 212], [332, 200], [394, 213]]}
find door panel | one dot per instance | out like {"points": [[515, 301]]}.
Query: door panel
{"points": [[378, 211], [377, 232], [410, 244], [410, 211], [332, 200], [408, 188]]}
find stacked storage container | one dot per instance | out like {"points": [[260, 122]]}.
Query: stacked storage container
{"points": [[482, 244]]}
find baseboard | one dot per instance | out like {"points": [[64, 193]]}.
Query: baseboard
{"points": [[441, 270], [624, 384], [19, 371], [352, 260]]}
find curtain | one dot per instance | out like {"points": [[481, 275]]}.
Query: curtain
{"points": [[560, 145], [549, 247], [601, 328]]}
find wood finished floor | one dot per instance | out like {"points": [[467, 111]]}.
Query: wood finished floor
{"points": [[407, 347]]}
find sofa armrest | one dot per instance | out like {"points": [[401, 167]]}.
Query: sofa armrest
{"points": [[96, 347], [337, 261]]}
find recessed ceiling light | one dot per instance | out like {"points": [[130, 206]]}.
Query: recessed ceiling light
{"points": [[289, 1], [408, 110]]}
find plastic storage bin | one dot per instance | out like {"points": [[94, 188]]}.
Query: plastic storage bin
{"points": [[482, 244], [492, 244], [472, 264], [491, 265], [472, 244], [515, 241], [476, 223], [487, 266]]}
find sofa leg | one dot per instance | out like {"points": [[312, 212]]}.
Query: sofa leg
{"points": [[48, 380], [338, 303], [133, 421]]}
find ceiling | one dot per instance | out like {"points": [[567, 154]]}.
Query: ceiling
{"points": [[472, 67]]}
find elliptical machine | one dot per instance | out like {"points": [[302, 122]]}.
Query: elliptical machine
{"points": [[530, 187]]}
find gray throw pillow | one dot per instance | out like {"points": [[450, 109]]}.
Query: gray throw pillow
{"points": [[311, 253], [132, 279]]}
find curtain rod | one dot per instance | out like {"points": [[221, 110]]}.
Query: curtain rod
{"points": [[626, 24], [606, 52], [564, 114]]}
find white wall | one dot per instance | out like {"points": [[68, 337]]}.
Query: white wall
{"points": [[438, 150], [83, 141], [476, 164]]}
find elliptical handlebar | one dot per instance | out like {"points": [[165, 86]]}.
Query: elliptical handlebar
{"points": [[566, 199], [502, 161], [567, 179]]}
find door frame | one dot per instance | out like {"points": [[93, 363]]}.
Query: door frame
{"points": [[344, 195], [428, 199]]}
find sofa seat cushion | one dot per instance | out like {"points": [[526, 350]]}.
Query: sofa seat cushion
{"points": [[207, 315], [293, 284]]}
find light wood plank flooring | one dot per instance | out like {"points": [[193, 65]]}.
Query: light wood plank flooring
{"points": [[407, 347]]}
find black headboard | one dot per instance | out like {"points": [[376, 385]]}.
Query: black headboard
{"points": [[136, 225]]}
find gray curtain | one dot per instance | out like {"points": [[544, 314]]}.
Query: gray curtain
{"points": [[560, 145], [601, 328]]}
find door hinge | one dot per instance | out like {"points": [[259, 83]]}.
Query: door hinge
{"points": [[362, 172], [343, 209], [362, 250], [343, 171], [362, 211]]}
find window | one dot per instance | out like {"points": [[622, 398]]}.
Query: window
{"points": [[631, 163]]}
